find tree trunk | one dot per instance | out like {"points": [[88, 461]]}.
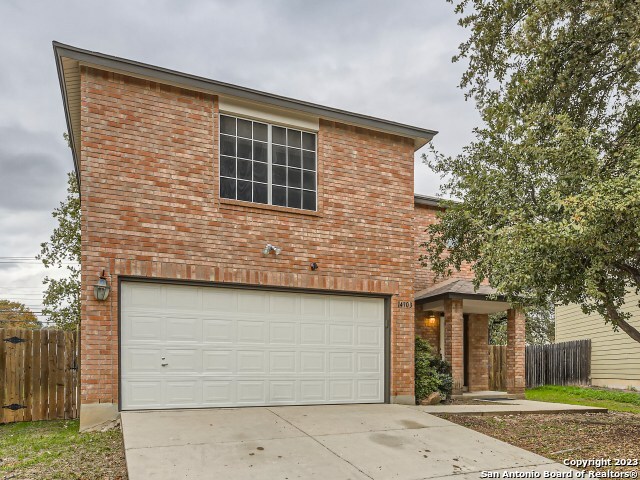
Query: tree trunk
{"points": [[617, 319]]}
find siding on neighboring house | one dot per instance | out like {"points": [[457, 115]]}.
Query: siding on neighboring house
{"points": [[615, 357]]}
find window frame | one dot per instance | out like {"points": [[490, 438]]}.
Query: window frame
{"points": [[270, 164]]}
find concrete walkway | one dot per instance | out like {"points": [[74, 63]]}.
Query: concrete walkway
{"points": [[508, 407], [324, 442]]}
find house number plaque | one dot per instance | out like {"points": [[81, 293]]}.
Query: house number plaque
{"points": [[405, 304]]}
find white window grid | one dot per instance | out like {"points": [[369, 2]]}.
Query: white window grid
{"points": [[270, 164]]}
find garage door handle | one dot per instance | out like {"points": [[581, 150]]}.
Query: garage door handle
{"points": [[164, 364]]}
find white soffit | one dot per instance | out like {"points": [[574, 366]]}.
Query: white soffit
{"points": [[470, 306], [267, 113]]}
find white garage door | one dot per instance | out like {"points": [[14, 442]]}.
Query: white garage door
{"points": [[186, 346]]}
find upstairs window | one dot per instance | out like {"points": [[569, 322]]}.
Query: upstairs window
{"points": [[268, 164]]}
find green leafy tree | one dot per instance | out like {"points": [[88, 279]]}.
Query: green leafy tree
{"points": [[539, 327], [61, 301], [551, 183], [17, 315], [498, 328]]}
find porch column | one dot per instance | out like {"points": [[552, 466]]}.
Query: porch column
{"points": [[454, 341], [478, 352], [515, 352]]}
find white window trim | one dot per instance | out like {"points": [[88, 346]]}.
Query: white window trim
{"points": [[268, 114]]}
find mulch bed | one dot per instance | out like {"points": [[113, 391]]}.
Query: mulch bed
{"points": [[612, 435]]}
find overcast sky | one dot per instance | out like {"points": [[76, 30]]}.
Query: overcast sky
{"points": [[390, 59]]}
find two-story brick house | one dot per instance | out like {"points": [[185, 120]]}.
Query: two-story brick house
{"points": [[259, 250]]}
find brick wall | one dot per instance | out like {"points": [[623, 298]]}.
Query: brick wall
{"points": [[425, 215], [478, 376], [516, 346], [428, 328], [150, 208], [454, 341]]}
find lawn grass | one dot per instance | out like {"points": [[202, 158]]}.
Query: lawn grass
{"points": [[55, 449], [618, 401]]}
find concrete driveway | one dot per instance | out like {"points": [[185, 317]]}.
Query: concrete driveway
{"points": [[326, 442]]}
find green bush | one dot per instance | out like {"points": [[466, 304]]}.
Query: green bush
{"points": [[432, 374]]}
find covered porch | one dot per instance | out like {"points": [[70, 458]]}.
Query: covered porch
{"points": [[454, 318]]}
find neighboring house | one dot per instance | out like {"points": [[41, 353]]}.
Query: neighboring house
{"points": [[615, 357], [260, 250]]}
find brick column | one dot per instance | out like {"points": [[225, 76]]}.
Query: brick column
{"points": [[454, 342], [478, 352], [515, 352]]}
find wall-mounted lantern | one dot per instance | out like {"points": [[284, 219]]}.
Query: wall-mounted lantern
{"points": [[102, 288]]}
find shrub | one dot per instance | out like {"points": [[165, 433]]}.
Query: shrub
{"points": [[432, 374]]}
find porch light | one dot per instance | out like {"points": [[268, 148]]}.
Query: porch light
{"points": [[270, 248], [102, 288]]}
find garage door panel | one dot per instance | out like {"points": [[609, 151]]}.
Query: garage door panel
{"points": [[183, 299], [282, 349], [341, 390], [340, 362], [369, 309], [251, 361], [284, 304], [219, 300], [284, 333], [312, 333], [218, 393], [312, 391], [253, 301], [183, 392], [143, 295], [341, 308], [251, 331], [218, 331], [282, 392], [142, 393], [218, 361], [282, 362], [183, 360], [313, 306], [341, 335], [368, 336], [144, 328], [140, 359], [369, 362], [312, 362], [251, 392], [185, 329], [369, 389]]}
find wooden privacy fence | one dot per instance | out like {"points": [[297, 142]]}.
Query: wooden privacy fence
{"points": [[566, 363], [38, 375], [497, 367]]}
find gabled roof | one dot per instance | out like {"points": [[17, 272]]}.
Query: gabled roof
{"points": [[68, 59], [454, 287]]}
